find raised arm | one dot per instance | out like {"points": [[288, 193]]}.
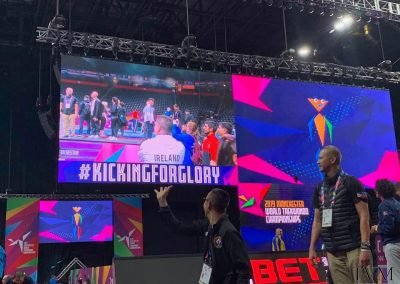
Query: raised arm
{"points": [[197, 227]]}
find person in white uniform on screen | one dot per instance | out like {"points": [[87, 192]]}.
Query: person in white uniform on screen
{"points": [[163, 148]]}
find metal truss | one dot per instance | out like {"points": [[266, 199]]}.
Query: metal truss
{"points": [[73, 196], [70, 265], [373, 8], [190, 54]]}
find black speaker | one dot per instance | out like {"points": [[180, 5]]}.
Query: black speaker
{"points": [[48, 124]]}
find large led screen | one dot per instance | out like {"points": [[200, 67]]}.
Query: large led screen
{"points": [[282, 126], [291, 122], [75, 221], [131, 123]]}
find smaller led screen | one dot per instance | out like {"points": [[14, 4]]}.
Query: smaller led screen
{"points": [[75, 221], [276, 217]]}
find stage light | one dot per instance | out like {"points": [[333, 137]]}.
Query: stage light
{"points": [[304, 51], [347, 20], [385, 65], [269, 2], [339, 26], [366, 30], [343, 23], [288, 54]]}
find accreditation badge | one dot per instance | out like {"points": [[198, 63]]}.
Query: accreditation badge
{"points": [[205, 274], [327, 218]]}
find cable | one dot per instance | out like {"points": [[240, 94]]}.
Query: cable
{"points": [[187, 17], [380, 40], [284, 27], [9, 153], [226, 37], [69, 17]]}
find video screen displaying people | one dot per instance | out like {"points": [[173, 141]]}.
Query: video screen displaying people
{"points": [[124, 122]]}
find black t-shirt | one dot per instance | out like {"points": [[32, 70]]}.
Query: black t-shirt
{"points": [[68, 104], [225, 154]]}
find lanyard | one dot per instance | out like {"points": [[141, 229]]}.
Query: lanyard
{"points": [[325, 187]]}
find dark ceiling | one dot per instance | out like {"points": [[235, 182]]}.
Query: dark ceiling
{"points": [[27, 157], [243, 26]]}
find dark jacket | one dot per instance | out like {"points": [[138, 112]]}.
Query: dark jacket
{"points": [[344, 235], [388, 227], [84, 108], [229, 260], [98, 109]]}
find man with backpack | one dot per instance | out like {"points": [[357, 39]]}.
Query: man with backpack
{"points": [[389, 227]]}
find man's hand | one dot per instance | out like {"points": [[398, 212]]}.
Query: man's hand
{"points": [[312, 256], [162, 195], [374, 229], [364, 259]]}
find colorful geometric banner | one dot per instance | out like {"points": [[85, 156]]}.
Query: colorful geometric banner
{"points": [[21, 241], [128, 227], [96, 275]]}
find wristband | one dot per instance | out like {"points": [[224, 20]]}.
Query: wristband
{"points": [[366, 244]]}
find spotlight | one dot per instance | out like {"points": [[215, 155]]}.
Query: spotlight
{"points": [[58, 22], [331, 12], [347, 20], [343, 23], [366, 30], [311, 10], [301, 8], [288, 54], [385, 65], [304, 51], [269, 2], [339, 26]]}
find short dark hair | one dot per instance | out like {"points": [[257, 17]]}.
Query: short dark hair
{"points": [[219, 200], [211, 124], [385, 188], [227, 126]]}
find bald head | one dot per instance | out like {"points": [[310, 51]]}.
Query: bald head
{"points": [[334, 153], [94, 95], [69, 91], [163, 125]]}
